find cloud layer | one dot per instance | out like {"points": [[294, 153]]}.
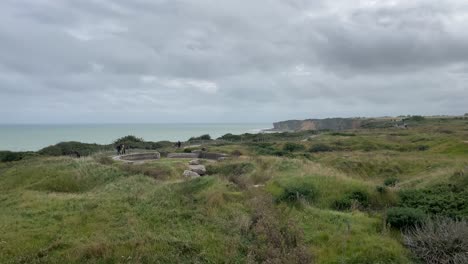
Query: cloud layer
{"points": [[230, 61]]}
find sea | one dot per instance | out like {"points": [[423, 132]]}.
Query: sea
{"points": [[36, 137]]}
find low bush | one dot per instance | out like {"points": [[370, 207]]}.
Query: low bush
{"points": [[231, 137], [422, 147], [415, 118], [390, 181], [403, 218], [236, 153], [133, 142], [359, 199], [343, 134], [267, 149], [228, 169], [293, 147], [440, 240], [233, 172], [381, 189], [297, 191], [73, 148], [9, 156], [320, 148], [128, 139], [444, 200], [202, 137]]}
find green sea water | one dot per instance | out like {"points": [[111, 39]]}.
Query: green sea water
{"points": [[35, 137]]}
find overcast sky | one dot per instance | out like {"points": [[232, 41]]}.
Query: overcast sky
{"points": [[87, 61]]}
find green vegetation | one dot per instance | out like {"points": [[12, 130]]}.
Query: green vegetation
{"points": [[375, 195], [404, 218], [202, 137], [73, 148], [9, 156]]}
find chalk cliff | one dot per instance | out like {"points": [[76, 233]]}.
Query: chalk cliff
{"points": [[335, 124]]}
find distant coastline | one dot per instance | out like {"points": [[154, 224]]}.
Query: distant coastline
{"points": [[25, 137]]}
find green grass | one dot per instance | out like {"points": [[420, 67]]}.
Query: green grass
{"points": [[96, 210]]}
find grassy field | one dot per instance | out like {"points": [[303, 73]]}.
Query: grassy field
{"points": [[303, 198]]}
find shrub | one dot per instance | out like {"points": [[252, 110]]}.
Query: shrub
{"points": [[188, 150], [73, 148], [297, 191], [138, 143], [233, 172], [202, 137], [343, 134], [402, 218], [356, 198], [128, 139], [381, 189], [231, 137], [415, 118], [236, 153], [422, 147], [390, 181], [292, 147], [266, 149], [8, 156], [445, 200], [440, 240], [320, 148]]}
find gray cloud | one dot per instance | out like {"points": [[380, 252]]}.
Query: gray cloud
{"points": [[186, 61]]}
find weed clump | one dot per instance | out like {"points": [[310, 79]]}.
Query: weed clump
{"points": [[233, 172], [293, 147], [268, 149], [381, 189], [298, 191], [444, 200], [236, 153], [320, 148], [202, 137], [403, 218], [390, 182], [356, 199], [441, 240], [227, 169], [9, 156], [73, 148]]}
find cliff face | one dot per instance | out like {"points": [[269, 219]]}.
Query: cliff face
{"points": [[335, 124]]}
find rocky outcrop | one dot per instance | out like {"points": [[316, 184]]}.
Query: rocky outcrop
{"points": [[199, 169], [191, 174], [334, 124], [194, 162]]}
